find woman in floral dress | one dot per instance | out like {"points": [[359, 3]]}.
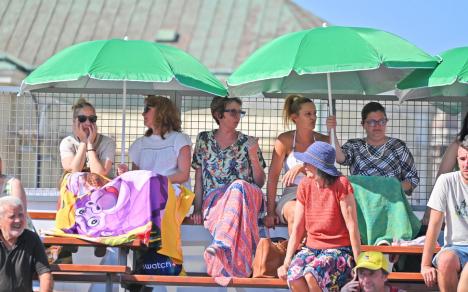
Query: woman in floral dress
{"points": [[229, 172]]}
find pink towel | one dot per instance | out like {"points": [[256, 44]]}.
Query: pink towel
{"points": [[231, 215]]}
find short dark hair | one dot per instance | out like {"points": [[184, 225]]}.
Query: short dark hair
{"points": [[464, 129], [219, 103], [370, 108]]}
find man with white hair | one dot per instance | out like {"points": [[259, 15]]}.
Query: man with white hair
{"points": [[21, 251]]}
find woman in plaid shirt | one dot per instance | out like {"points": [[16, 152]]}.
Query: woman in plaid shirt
{"points": [[377, 154]]}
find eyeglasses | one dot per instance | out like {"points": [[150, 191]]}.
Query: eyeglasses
{"points": [[147, 108], [234, 113], [83, 118], [374, 123]]}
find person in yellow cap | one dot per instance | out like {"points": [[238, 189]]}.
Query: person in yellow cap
{"points": [[370, 274]]}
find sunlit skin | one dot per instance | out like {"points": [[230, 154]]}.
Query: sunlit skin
{"points": [[85, 131], [371, 281], [148, 118], [12, 223], [449, 275], [228, 119], [462, 158], [311, 171], [375, 134], [307, 116], [296, 140]]}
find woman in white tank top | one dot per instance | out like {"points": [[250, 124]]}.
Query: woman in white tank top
{"points": [[302, 112]]}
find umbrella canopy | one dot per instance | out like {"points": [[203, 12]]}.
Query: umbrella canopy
{"points": [[120, 64], [105, 64], [449, 78], [362, 60]]}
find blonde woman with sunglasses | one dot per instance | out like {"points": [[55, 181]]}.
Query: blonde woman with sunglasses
{"points": [[86, 149]]}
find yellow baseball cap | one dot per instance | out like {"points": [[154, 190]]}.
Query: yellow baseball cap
{"points": [[372, 260]]}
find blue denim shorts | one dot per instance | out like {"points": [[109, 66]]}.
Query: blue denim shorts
{"points": [[460, 250]]}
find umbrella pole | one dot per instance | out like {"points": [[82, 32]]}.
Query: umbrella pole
{"points": [[124, 108], [330, 108]]}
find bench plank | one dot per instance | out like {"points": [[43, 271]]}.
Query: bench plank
{"points": [[417, 249], [405, 276], [41, 215], [114, 269], [203, 281]]}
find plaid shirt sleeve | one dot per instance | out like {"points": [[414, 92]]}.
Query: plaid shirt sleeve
{"points": [[408, 168], [349, 149]]}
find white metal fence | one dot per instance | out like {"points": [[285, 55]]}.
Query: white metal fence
{"points": [[32, 126]]}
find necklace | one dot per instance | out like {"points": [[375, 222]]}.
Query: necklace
{"points": [[383, 148]]}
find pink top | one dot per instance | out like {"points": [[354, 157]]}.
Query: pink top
{"points": [[324, 221]]}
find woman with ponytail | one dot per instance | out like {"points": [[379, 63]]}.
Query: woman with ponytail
{"points": [[301, 111]]}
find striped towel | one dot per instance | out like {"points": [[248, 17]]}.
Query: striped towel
{"points": [[231, 215]]}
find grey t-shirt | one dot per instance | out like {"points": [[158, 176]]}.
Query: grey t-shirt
{"points": [[105, 149], [450, 196], [17, 266]]}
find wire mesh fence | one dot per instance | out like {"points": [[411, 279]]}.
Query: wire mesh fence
{"points": [[33, 125]]}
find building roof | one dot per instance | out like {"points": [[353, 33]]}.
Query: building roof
{"points": [[220, 33]]}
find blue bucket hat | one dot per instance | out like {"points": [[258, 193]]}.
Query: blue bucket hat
{"points": [[321, 155]]}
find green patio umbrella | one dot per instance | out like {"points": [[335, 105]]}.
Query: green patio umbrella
{"points": [[333, 60], [449, 78], [120, 64]]}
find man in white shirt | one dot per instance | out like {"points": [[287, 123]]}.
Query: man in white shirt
{"points": [[449, 201]]}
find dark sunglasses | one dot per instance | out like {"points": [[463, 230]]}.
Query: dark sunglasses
{"points": [[147, 108], [83, 118], [235, 113]]}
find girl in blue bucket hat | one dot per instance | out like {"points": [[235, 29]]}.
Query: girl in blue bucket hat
{"points": [[326, 210]]}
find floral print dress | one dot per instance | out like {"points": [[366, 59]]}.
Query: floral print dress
{"points": [[221, 167], [231, 204]]}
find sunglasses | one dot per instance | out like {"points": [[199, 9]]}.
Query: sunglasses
{"points": [[235, 113], [147, 108], [374, 123], [83, 118]]}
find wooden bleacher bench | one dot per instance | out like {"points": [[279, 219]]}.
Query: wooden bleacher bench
{"points": [[396, 249], [108, 274], [207, 281], [42, 215], [100, 269]]}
